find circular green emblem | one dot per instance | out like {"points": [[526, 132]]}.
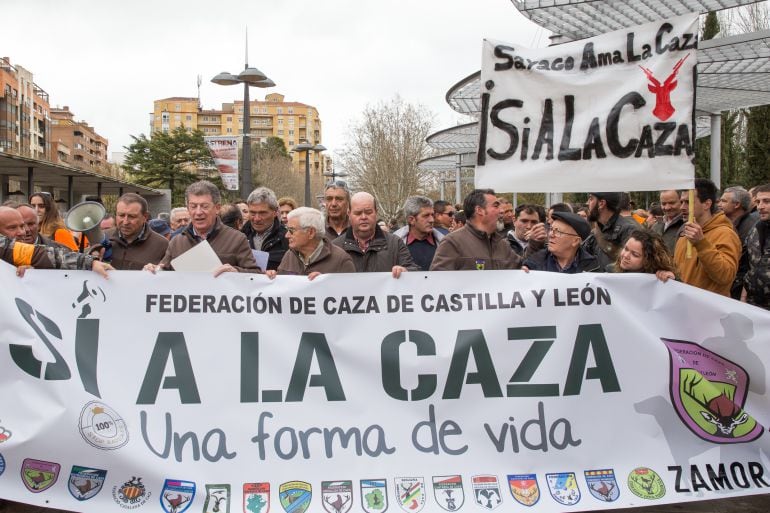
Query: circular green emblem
{"points": [[646, 483]]}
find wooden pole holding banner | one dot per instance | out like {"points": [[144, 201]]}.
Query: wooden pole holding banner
{"points": [[690, 218]]}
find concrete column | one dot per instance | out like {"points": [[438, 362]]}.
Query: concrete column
{"points": [[30, 180], [716, 149]]}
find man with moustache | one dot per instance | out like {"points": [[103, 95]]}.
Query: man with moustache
{"points": [[757, 280], [419, 234], [337, 202], [672, 219]]}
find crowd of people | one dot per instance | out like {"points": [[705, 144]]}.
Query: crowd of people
{"points": [[719, 245]]}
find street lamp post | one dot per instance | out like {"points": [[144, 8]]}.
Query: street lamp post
{"points": [[307, 148], [248, 77], [333, 174]]}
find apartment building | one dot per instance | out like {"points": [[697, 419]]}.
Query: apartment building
{"points": [[24, 113], [293, 122], [75, 143]]}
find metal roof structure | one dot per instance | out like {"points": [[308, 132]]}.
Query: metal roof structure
{"points": [[458, 139], [733, 73], [446, 162], [47, 175], [578, 19]]}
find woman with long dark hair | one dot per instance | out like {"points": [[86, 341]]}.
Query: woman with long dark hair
{"points": [[645, 252], [50, 221]]}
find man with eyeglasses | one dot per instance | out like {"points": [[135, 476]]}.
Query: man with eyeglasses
{"points": [[264, 229], [443, 212], [203, 202], [564, 253], [310, 253], [477, 245], [337, 205]]}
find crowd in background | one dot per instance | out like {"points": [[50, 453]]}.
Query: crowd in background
{"points": [[718, 244]]}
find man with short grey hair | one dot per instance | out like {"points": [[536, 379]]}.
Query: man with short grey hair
{"points": [[736, 203], [419, 234], [203, 203], [264, 230], [310, 253]]}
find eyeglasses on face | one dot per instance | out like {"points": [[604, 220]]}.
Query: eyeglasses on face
{"points": [[558, 233], [293, 230]]}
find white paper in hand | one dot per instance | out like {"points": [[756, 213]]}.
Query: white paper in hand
{"points": [[199, 258]]}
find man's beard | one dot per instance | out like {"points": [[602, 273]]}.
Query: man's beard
{"points": [[593, 214]]}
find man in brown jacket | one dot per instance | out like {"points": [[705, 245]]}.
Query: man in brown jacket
{"points": [[478, 245], [371, 249], [232, 248], [310, 253], [132, 244]]}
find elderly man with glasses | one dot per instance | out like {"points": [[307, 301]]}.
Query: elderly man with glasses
{"points": [[564, 252], [310, 253]]}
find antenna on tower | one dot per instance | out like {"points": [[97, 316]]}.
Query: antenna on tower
{"points": [[200, 80]]}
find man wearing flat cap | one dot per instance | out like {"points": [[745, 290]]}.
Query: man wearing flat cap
{"points": [[611, 230], [564, 252]]}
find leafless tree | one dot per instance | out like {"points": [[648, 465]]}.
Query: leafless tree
{"points": [[382, 152]]}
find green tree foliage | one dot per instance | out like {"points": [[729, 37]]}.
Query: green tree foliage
{"points": [[757, 146], [168, 160]]}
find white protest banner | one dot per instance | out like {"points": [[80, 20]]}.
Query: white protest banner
{"points": [[613, 112], [459, 391], [224, 151]]}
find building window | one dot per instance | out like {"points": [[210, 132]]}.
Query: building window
{"points": [[291, 121], [291, 132], [178, 107], [229, 119], [280, 132], [189, 117], [280, 110], [280, 121], [229, 130]]}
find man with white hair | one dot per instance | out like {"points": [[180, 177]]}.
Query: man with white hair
{"points": [[178, 219], [310, 253]]}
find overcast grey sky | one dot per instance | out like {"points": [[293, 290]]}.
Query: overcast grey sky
{"points": [[109, 60]]}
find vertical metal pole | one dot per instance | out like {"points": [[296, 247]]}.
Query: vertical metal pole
{"points": [[70, 192], [716, 149], [246, 153], [515, 200], [307, 178], [30, 180], [458, 183], [99, 189], [442, 187]]}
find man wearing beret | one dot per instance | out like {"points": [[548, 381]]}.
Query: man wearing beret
{"points": [[611, 230], [564, 252]]}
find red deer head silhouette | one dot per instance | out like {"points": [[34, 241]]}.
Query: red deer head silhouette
{"points": [[663, 108]]}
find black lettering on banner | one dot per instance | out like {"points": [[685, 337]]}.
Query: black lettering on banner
{"points": [[613, 125], [565, 152], [471, 341], [501, 53], [171, 344], [545, 136], [543, 338], [513, 133], [391, 365], [309, 345]]}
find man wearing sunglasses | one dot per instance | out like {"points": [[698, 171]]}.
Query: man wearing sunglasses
{"points": [[443, 212]]}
